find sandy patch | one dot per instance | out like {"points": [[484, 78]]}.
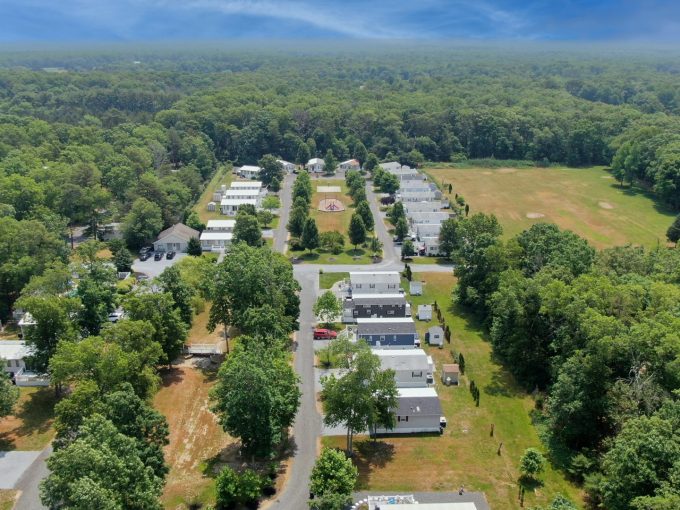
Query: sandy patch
{"points": [[487, 173], [506, 170], [534, 215], [331, 205], [605, 205], [607, 177]]}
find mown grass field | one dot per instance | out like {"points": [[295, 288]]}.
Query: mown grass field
{"points": [[223, 175], [587, 201], [465, 454], [329, 221], [31, 425], [7, 499], [326, 280]]}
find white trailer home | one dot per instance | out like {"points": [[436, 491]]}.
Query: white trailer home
{"points": [[257, 185], [315, 165], [419, 218], [249, 171], [418, 411], [288, 167], [412, 367], [423, 206], [374, 282], [419, 196]]}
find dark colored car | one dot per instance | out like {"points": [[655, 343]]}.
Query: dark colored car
{"points": [[144, 256], [324, 334], [158, 255], [145, 249], [170, 255]]}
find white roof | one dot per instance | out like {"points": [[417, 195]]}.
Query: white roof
{"points": [[380, 296], [14, 349], [350, 162], [250, 168], [374, 277], [216, 236], [383, 320], [284, 162], [241, 193], [402, 359], [215, 224], [245, 184], [315, 161], [417, 392], [238, 201]]}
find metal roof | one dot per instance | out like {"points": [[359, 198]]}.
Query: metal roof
{"points": [[418, 402]]}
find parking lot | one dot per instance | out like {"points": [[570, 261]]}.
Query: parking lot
{"points": [[153, 268]]}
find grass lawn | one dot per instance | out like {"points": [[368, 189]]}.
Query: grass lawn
{"points": [[199, 334], [326, 280], [7, 499], [349, 256], [328, 221], [196, 438], [223, 175], [586, 200], [31, 425], [442, 261], [465, 454]]}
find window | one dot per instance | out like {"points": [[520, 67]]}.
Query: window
{"points": [[417, 374], [391, 285], [382, 338], [371, 285], [357, 286], [390, 311]]}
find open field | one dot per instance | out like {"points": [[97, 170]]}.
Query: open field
{"points": [[465, 454], [31, 425], [328, 221], [326, 280], [586, 200], [196, 438], [223, 175]]}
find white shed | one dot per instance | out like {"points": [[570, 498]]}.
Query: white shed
{"points": [[288, 167], [212, 206], [425, 312], [217, 196], [315, 165], [435, 336], [416, 288]]}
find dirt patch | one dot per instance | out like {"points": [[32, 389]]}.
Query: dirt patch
{"points": [[534, 215], [607, 177], [331, 205], [487, 173], [506, 170], [605, 205], [31, 425]]}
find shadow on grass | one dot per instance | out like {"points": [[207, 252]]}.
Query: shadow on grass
{"points": [[371, 454], [35, 414], [640, 190]]}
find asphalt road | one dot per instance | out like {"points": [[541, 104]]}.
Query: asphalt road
{"points": [[28, 484]]}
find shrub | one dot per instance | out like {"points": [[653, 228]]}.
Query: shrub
{"points": [[235, 488]]}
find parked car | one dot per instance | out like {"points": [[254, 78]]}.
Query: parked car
{"points": [[324, 334], [397, 241], [145, 249], [144, 256], [158, 255], [170, 255]]}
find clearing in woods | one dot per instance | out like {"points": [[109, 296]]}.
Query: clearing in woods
{"points": [[465, 454], [587, 201], [196, 438]]}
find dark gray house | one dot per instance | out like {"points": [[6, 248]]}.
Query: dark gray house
{"points": [[389, 333], [364, 306]]}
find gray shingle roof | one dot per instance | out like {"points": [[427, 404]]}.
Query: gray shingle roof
{"points": [[385, 328], [419, 406], [180, 230], [359, 300]]}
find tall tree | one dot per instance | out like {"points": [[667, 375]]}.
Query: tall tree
{"points": [[171, 281], [333, 473], [9, 394], [327, 307], [310, 235], [330, 162], [272, 170], [256, 398], [142, 223], [247, 230], [673, 232], [364, 210], [447, 236], [357, 231]]}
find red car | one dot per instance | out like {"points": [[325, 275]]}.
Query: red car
{"points": [[324, 334]]}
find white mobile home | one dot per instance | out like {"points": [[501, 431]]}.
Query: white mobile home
{"points": [[411, 366], [423, 206], [257, 185], [417, 218], [374, 282], [215, 240], [315, 165], [350, 164], [419, 196], [430, 246], [14, 354], [427, 230], [230, 206], [233, 193], [220, 225], [249, 171], [288, 167], [418, 411]]}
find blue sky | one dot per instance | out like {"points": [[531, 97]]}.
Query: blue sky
{"points": [[149, 20]]}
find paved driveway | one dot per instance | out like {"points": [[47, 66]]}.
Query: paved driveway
{"points": [[153, 268], [12, 465]]}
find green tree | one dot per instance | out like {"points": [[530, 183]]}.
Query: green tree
{"points": [[235, 488], [401, 229], [327, 307], [358, 399], [142, 223], [407, 249], [333, 473], [396, 213], [247, 230], [330, 163], [96, 291], [171, 281], [101, 469], [256, 398], [303, 154], [194, 247], [159, 309], [447, 236], [265, 218], [389, 183], [123, 260], [271, 202], [271, 171], [372, 162], [297, 221], [357, 231], [673, 232], [302, 187], [364, 210], [310, 235], [9, 394], [375, 246], [532, 463], [332, 241]]}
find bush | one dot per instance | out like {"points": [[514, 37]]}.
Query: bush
{"points": [[235, 488], [532, 463]]}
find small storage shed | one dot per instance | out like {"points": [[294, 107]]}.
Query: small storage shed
{"points": [[450, 373], [217, 196], [425, 312], [435, 336], [212, 206], [416, 288]]}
